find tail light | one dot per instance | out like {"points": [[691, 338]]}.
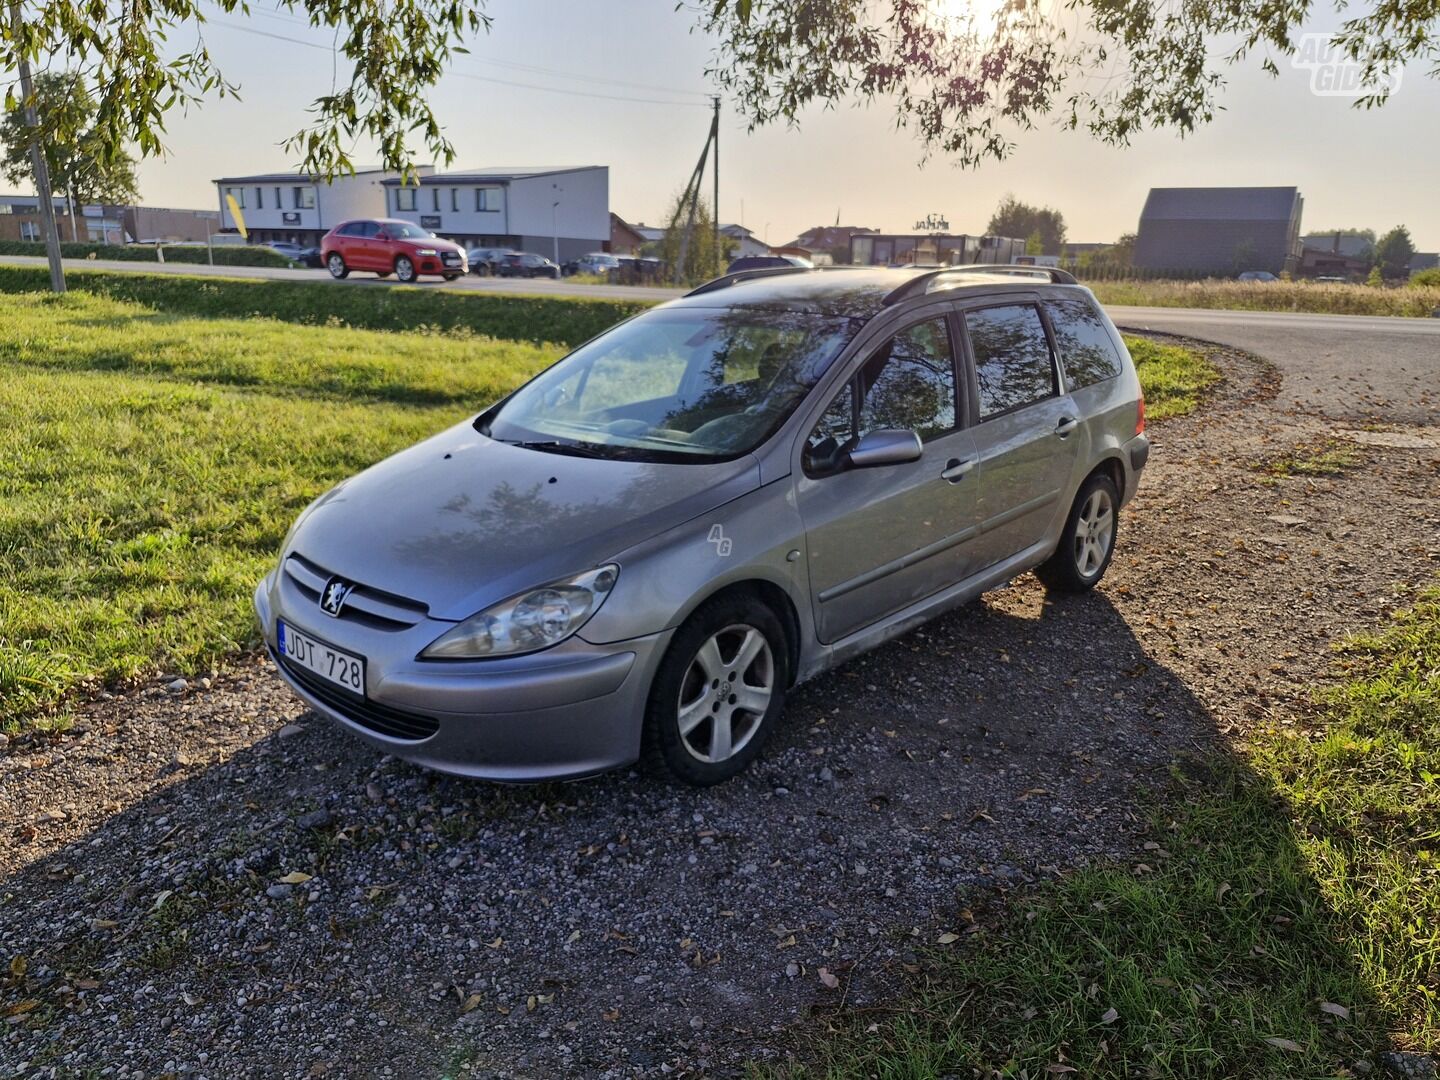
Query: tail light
{"points": [[1140, 416]]}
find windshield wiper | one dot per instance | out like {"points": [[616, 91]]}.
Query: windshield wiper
{"points": [[555, 446]]}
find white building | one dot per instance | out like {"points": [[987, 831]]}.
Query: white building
{"points": [[744, 242], [561, 213], [302, 208]]}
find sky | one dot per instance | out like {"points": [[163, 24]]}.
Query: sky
{"points": [[1355, 168]]}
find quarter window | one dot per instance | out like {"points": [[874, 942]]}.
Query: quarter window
{"points": [[1082, 337], [1013, 365], [908, 383]]}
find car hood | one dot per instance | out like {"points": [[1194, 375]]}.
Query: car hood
{"points": [[433, 242], [460, 521]]}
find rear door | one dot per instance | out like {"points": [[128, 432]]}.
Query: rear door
{"points": [[1027, 430], [882, 538]]}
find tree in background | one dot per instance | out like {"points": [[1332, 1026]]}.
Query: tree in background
{"points": [[1393, 253], [80, 169], [1016, 219], [1115, 258], [698, 259], [963, 77]]}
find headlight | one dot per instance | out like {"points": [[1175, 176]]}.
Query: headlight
{"points": [[532, 620], [424, 251]]}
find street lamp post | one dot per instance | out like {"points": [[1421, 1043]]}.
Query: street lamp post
{"points": [[555, 224]]}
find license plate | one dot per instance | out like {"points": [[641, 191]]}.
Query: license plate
{"points": [[334, 665]]}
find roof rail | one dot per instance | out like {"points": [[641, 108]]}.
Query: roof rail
{"points": [[923, 283], [726, 280]]}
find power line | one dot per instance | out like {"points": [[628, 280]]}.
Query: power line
{"points": [[492, 79]]}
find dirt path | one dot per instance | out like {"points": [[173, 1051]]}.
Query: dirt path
{"points": [[621, 927]]}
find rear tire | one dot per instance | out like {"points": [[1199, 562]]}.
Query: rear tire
{"points": [[718, 693], [1087, 542], [405, 269], [450, 277], [336, 263]]}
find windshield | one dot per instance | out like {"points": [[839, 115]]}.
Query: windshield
{"points": [[406, 232], [690, 384]]}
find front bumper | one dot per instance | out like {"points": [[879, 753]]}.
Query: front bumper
{"points": [[567, 712]]}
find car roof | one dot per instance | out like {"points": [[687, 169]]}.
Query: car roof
{"points": [[857, 292]]}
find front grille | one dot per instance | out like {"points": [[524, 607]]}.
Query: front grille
{"points": [[381, 719], [364, 604], [451, 257]]}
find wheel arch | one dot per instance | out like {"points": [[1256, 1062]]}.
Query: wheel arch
{"points": [[778, 600]]}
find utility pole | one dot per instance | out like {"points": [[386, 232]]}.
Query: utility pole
{"points": [[37, 159], [715, 174]]}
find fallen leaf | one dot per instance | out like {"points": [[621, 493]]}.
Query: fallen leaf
{"points": [[947, 938], [295, 877], [1221, 891], [495, 944], [1335, 1010], [1110, 1016], [828, 979], [1057, 1069], [469, 1004], [1286, 1044], [611, 1016], [161, 897], [103, 924], [574, 937], [17, 967]]}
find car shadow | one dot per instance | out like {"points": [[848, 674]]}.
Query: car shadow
{"points": [[306, 903]]}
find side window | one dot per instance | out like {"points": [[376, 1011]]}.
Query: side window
{"points": [[368, 229], [350, 229], [1087, 353], [1013, 365], [909, 382]]}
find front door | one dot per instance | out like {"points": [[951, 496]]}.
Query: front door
{"points": [[1027, 432], [882, 538]]}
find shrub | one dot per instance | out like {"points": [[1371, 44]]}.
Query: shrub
{"points": [[1423, 278], [225, 255], [558, 320]]}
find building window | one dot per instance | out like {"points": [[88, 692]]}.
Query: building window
{"points": [[487, 198], [29, 230], [435, 199], [455, 199], [304, 198], [279, 202], [238, 194], [405, 198], [259, 198]]}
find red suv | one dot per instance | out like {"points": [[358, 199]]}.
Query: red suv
{"points": [[388, 246]]}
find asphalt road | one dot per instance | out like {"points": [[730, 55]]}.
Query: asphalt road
{"points": [[1341, 366]]}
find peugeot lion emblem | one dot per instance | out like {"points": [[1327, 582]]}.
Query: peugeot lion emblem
{"points": [[332, 600]]}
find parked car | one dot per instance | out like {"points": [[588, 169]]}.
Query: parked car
{"points": [[311, 257], [767, 262], [597, 262], [483, 260], [286, 248], [526, 264], [387, 246], [1257, 275], [637, 554]]}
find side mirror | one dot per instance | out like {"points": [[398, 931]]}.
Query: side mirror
{"points": [[884, 446]]}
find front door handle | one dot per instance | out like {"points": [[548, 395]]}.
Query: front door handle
{"points": [[1066, 425], [955, 469]]}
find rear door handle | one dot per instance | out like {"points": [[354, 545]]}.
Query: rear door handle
{"points": [[1066, 425], [955, 469]]}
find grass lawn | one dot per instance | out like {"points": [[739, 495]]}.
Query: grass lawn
{"points": [[152, 462], [1285, 924], [1318, 297]]}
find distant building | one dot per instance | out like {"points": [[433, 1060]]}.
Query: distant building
{"points": [[743, 241], [908, 249], [300, 208], [1220, 231], [832, 240], [625, 239], [1335, 255], [1424, 260], [651, 234], [558, 212], [96, 223], [820, 257]]}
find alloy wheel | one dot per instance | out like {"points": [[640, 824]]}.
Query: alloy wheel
{"points": [[404, 269], [337, 265], [1094, 533], [725, 693]]}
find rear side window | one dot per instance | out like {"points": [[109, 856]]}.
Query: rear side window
{"points": [[1087, 352], [1013, 365]]}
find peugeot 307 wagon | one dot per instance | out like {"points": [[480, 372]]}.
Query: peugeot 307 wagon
{"points": [[634, 556]]}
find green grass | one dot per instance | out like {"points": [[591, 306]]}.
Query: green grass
{"points": [[223, 254], [1318, 297], [152, 461], [1328, 457], [561, 319], [1294, 882], [1173, 377]]}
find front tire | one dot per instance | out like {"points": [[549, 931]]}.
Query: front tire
{"points": [[336, 264], [405, 269], [450, 277], [1088, 540], [719, 692]]}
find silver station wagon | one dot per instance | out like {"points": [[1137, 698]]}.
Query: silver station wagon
{"points": [[635, 555]]}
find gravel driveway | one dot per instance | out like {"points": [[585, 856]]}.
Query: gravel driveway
{"points": [[209, 882]]}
